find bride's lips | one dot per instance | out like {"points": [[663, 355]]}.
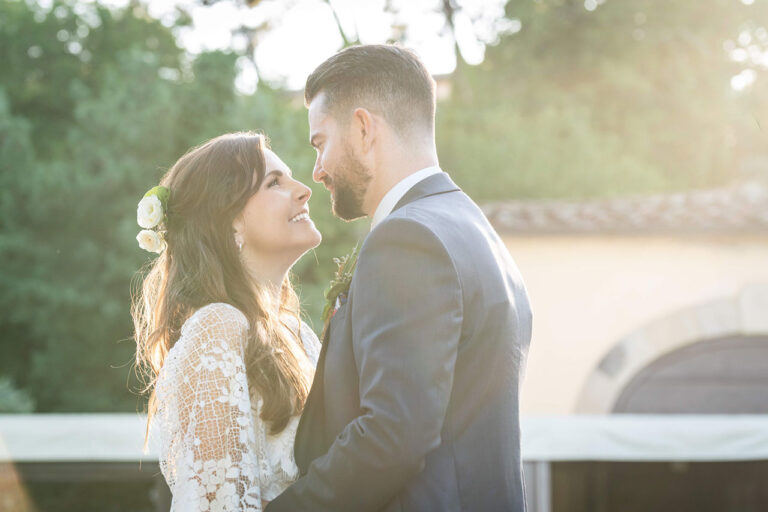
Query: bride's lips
{"points": [[302, 216]]}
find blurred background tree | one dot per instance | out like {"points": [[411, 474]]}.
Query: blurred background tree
{"points": [[602, 98], [572, 100], [89, 120]]}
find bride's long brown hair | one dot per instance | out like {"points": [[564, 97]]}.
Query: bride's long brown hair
{"points": [[209, 187]]}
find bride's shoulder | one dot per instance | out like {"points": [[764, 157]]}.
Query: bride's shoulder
{"points": [[216, 320], [217, 312]]}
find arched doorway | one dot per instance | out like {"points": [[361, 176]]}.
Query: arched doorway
{"points": [[722, 376], [701, 332]]}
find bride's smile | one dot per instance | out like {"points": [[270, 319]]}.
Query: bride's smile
{"points": [[274, 228]]}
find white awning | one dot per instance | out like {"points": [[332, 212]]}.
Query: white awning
{"points": [[73, 438], [120, 437], [645, 438]]}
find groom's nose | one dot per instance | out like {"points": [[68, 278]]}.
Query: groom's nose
{"points": [[318, 174]]}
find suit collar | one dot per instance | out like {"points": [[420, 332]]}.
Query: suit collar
{"points": [[390, 199], [439, 183]]}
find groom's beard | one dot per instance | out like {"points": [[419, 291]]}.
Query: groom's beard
{"points": [[349, 188]]}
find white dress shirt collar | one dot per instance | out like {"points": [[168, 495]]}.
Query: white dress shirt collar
{"points": [[390, 199]]}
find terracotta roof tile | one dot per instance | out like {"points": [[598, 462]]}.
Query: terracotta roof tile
{"points": [[742, 207]]}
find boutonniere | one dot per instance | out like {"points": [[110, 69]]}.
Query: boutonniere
{"points": [[339, 284]]}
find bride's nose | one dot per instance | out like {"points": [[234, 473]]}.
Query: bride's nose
{"points": [[302, 193]]}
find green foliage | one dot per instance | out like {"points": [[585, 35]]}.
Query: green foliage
{"points": [[624, 99], [340, 283], [75, 177], [85, 131], [13, 400]]}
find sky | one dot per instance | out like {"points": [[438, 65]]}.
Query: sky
{"points": [[303, 33]]}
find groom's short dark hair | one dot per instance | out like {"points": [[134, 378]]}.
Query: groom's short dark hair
{"points": [[387, 80]]}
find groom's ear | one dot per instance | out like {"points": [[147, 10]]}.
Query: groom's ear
{"points": [[365, 127]]}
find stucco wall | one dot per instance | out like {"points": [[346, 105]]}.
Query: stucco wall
{"points": [[589, 293]]}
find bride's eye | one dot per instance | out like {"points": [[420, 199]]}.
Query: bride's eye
{"points": [[273, 182]]}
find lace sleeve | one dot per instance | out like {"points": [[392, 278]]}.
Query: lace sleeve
{"points": [[209, 447]]}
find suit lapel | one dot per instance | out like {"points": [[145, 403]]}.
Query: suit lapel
{"points": [[439, 183], [310, 433]]}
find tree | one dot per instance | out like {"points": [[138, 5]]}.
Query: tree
{"points": [[117, 109], [623, 98], [67, 247]]}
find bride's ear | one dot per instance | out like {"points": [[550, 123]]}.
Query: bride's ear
{"points": [[238, 231]]}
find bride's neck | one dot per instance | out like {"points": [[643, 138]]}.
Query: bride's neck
{"points": [[267, 279]]}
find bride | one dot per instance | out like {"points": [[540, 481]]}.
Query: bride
{"points": [[217, 323]]}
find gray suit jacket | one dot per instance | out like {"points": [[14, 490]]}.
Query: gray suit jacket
{"points": [[415, 403]]}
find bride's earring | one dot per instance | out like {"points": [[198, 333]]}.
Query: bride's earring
{"points": [[239, 242]]}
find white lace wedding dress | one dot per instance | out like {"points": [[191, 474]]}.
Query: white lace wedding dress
{"points": [[215, 451]]}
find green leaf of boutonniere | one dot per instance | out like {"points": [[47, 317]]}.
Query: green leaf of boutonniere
{"points": [[340, 283]]}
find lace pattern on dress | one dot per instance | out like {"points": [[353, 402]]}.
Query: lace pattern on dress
{"points": [[215, 452]]}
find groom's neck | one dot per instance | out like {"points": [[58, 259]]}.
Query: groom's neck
{"points": [[394, 168]]}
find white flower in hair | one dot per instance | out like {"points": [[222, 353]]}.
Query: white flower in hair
{"points": [[151, 241], [150, 212]]}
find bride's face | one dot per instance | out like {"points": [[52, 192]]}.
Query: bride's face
{"points": [[275, 222]]}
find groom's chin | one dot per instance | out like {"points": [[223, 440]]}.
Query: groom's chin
{"points": [[345, 211]]}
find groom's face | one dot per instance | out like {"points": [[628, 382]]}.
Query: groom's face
{"points": [[337, 165]]}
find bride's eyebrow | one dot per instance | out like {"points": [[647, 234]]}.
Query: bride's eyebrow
{"points": [[279, 173]]}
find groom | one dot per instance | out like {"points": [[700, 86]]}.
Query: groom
{"points": [[415, 402]]}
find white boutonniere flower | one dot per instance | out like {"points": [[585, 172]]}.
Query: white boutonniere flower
{"points": [[151, 241]]}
